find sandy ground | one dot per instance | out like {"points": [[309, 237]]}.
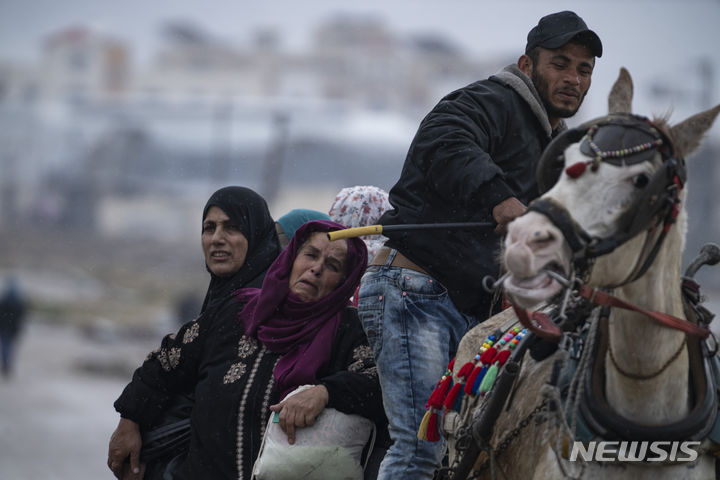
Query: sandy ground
{"points": [[56, 413]]}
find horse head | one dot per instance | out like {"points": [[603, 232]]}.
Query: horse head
{"points": [[615, 181]]}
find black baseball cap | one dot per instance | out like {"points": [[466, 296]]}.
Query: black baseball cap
{"points": [[555, 30]]}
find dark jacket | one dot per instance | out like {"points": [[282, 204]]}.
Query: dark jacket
{"points": [[479, 146]]}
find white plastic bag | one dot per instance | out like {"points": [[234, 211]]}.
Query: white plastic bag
{"points": [[330, 449]]}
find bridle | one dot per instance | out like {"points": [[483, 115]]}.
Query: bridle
{"points": [[658, 204]]}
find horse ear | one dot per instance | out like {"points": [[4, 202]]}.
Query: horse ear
{"points": [[687, 134], [621, 93]]}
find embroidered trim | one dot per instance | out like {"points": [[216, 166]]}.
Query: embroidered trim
{"points": [[246, 346], [191, 333], [169, 360], [268, 392], [236, 371], [364, 363], [241, 411], [153, 354]]}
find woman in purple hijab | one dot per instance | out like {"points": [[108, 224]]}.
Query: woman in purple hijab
{"points": [[298, 329]]}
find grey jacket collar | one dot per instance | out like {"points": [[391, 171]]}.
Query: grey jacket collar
{"points": [[514, 78]]}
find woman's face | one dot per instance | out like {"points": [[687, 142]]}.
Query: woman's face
{"points": [[319, 267], [224, 246]]}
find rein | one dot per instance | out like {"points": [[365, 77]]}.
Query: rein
{"points": [[543, 326]]}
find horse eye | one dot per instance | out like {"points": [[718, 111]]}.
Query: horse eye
{"points": [[641, 180]]}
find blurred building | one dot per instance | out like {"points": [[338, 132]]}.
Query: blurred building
{"points": [[87, 136], [81, 66], [86, 131]]}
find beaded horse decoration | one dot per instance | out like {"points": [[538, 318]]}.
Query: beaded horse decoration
{"points": [[592, 267]]}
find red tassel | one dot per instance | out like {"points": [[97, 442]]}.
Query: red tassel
{"points": [[451, 364], [466, 370], [437, 396], [675, 211], [502, 357], [433, 433], [505, 302], [471, 380], [488, 355], [678, 182], [576, 169], [452, 396]]}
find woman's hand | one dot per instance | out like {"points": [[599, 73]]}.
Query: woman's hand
{"points": [[126, 442], [301, 409]]}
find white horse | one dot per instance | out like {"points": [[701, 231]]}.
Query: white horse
{"points": [[615, 221]]}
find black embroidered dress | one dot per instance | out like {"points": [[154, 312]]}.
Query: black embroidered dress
{"points": [[232, 378]]}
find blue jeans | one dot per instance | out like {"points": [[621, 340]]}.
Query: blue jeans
{"points": [[414, 329]]}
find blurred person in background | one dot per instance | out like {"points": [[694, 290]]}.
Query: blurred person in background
{"points": [[13, 308], [244, 356], [360, 206], [287, 225]]}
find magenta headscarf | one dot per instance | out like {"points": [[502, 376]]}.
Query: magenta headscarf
{"points": [[303, 332]]}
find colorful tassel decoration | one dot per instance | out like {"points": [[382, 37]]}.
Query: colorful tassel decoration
{"points": [[422, 431], [458, 401], [488, 355], [475, 377], [471, 380], [433, 432], [479, 379], [489, 379], [466, 370], [452, 396], [502, 357], [437, 396]]}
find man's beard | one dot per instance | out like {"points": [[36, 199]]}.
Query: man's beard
{"points": [[543, 89]]}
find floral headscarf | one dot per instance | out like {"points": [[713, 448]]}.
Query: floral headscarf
{"points": [[360, 206]]}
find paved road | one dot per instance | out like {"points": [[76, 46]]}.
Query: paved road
{"points": [[56, 412]]}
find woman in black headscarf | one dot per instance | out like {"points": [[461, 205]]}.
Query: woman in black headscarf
{"points": [[239, 242]]}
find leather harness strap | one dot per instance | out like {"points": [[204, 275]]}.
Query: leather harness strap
{"points": [[599, 297], [542, 325], [400, 260], [539, 323]]}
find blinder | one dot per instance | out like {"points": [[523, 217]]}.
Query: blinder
{"points": [[612, 131], [615, 139]]}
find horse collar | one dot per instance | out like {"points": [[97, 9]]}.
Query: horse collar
{"points": [[603, 422]]}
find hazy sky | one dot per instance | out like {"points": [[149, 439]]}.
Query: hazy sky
{"points": [[659, 41]]}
